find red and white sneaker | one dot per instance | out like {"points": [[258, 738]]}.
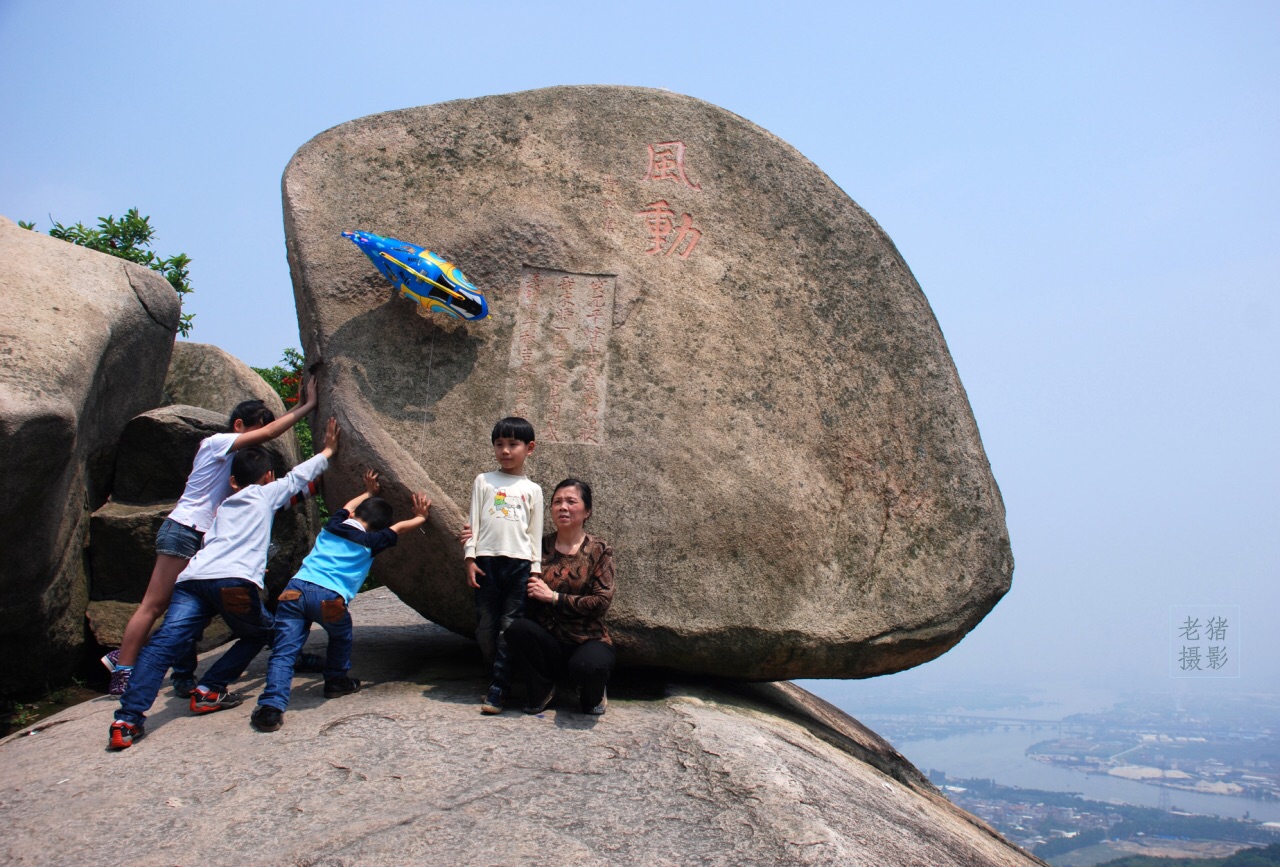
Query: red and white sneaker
{"points": [[123, 735], [205, 701]]}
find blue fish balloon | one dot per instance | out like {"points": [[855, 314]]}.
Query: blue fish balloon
{"points": [[423, 276]]}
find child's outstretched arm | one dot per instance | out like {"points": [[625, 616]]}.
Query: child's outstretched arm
{"points": [[371, 488], [421, 507], [331, 435], [306, 403], [282, 490]]}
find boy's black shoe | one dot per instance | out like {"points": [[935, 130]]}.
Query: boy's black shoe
{"points": [[183, 686], [310, 663], [266, 718], [340, 686], [494, 701]]}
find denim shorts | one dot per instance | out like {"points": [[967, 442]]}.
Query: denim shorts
{"points": [[177, 540]]}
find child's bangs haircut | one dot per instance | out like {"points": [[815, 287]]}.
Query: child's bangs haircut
{"points": [[376, 513], [249, 465], [253, 413], [513, 427]]}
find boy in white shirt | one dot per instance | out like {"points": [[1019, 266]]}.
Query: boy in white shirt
{"points": [[224, 578], [506, 519]]}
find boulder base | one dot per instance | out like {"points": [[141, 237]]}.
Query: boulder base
{"points": [[407, 772], [697, 321]]}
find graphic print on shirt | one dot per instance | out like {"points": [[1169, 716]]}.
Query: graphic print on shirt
{"points": [[510, 508]]}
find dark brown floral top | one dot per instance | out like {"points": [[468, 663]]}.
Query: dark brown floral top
{"points": [[585, 583]]}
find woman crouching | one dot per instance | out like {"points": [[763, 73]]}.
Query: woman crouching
{"points": [[562, 633]]}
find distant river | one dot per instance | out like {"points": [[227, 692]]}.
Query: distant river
{"points": [[1000, 756]]}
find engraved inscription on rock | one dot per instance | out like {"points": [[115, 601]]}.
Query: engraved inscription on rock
{"points": [[559, 355]]}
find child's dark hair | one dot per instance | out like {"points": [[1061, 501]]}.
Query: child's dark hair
{"points": [[376, 514], [514, 427], [584, 490], [249, 465], [252, 413]]}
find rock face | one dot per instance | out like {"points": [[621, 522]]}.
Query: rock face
{"points": [[156, 452], [204, 375], [406, 772], [85, 340], [699, 322]]}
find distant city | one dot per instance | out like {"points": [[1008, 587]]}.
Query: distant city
{"points": [[1190, 777]]}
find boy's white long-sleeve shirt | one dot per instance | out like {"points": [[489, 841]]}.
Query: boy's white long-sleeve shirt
{"points": [[506, 519], [236, 545]]}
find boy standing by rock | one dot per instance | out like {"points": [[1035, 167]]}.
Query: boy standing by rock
{"points": [[506, 518], [224, 578], [329, 579]]}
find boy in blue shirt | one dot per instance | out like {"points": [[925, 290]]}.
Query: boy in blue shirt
{"points": [[320, 592]]}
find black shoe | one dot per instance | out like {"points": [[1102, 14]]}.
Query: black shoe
{"points": [[183, 686], [340, 686], [539, 707], [310, 663], [266, 718]]}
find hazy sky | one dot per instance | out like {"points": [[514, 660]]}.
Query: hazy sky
{"points": [[1087, 192]]}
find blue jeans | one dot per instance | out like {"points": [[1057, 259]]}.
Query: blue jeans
{"points": [[194, 604], [302, 604], [499, 600], [179, 540]]}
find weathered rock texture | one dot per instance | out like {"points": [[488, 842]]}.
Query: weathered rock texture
{"points": [[85, 340], [157, 449], [204, 375], [699, 322], [406, 772]]}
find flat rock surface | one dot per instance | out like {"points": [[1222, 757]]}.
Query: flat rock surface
{"points": [[407, 771], [697, 321]]}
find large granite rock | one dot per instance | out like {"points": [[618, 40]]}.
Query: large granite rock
{"points": [[406, 772], [85, 340], [201, 374], [157, 449], [698, 321]]}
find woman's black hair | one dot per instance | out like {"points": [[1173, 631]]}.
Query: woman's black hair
{"points": [[583, 488]]}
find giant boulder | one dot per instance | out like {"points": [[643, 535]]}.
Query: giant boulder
{"points": [[85, 340], [698, 321]]}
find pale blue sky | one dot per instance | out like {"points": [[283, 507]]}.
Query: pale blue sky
{"points": [[1087, 192]]}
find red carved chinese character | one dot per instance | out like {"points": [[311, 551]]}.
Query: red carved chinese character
{"points": [[666, 163], [665, 236]]}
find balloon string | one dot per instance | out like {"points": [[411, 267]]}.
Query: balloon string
{"points": [[426, 396]]}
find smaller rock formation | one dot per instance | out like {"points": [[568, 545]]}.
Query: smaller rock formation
{"points": [[157, 449], [85, 340], [201, 374]]}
